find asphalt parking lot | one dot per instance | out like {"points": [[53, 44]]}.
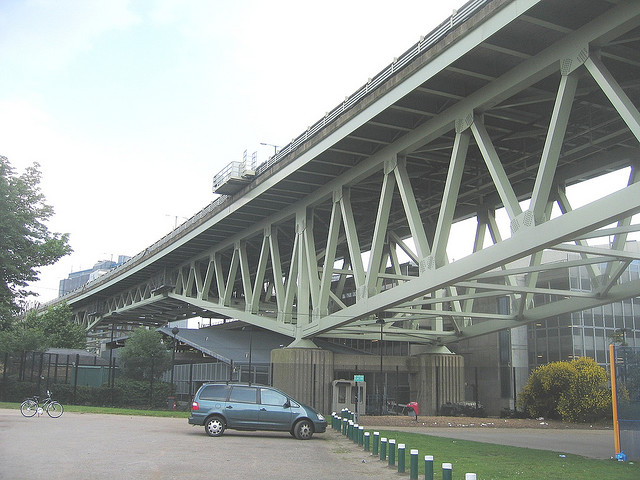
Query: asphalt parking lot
{"points": [[88, 446]]}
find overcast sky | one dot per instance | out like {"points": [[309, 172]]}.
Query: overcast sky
{"points": [[131, 107]]}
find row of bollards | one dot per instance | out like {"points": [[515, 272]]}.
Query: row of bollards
{"points": [[385, 449]]}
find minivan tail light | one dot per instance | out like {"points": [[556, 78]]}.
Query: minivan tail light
{"points": [[195, 406]]}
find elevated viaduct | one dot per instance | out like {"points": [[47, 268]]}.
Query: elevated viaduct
{"points": [[345, 233]]}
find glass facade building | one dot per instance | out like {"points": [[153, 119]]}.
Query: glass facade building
{"points": [[586, 333]]}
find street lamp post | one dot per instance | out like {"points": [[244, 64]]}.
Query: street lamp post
{"points": [[175, 331], [275, 147], [380, 321], [250, 347]]}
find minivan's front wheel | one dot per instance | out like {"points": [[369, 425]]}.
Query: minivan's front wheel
{"points": [[214, 426], [303, 430]]}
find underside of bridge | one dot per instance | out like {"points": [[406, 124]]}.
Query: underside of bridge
{"points": [[348, 231]]}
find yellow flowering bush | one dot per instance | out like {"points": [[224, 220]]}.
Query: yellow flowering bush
{"points": [[575, 391]]}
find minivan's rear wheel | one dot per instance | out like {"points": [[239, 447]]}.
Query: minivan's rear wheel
{"points": [[214, 426], [303, 430]]}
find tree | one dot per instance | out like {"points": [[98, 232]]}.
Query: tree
{"points": [[25, 241], [37, 332], [58, 327], [144, 356]]}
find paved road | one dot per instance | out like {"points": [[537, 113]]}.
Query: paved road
{"points": [[96, 447]]}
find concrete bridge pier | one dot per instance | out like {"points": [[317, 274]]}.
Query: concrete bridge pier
{"points": [[304, 373], [307, 373]]}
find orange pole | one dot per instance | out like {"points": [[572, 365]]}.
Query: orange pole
{"points": [[614, 400]]}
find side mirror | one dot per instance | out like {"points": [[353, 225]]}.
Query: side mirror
{"points": [[287, 404]]}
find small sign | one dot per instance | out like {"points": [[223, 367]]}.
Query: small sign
{"points": [[358, 378]]}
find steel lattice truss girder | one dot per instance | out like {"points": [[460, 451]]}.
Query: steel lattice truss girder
{"points": [[326, 263]]}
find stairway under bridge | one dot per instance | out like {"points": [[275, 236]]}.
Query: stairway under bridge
{"points": [[348, 231]]}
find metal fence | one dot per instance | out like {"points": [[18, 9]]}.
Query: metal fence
{"points": [[189, 377], [47, 369], [625, 374]]}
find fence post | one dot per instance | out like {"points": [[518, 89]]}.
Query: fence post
{"points": [[360, 436], [413, 465], [428, 467], [75, 380], [401, 448], [392, 452], [447, 471], [367, 441], [40, 372], [383, 448], [376, 437]]}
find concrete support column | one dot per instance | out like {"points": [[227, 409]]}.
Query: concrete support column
{"points": [[436, 379], [304, 373]]}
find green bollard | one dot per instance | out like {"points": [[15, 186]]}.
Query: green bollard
{"points": [[360, 436], [469, 476], [376, 438], [383, 448], [350, 429], [345, 424], [392, 452], [447, 471], [367, 441], [413, 465], [401, 448], [356, 429], [428, 467]]}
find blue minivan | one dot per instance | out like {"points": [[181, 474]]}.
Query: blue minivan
{"points": [[219, 406]]}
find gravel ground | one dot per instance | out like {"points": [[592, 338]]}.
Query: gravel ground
{"points": [[474, 422]]}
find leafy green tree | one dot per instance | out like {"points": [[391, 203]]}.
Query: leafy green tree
{"points": [[58, 326], [37, 332], [25, 241], [20, 340], [144, 356]]}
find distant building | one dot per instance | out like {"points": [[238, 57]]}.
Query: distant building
{"points": [[77, 279]]}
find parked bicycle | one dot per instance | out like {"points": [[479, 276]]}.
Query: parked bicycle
{"points": [[32, 405]]}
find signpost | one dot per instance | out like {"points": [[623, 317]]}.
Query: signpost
{"points": [[358, 379]]}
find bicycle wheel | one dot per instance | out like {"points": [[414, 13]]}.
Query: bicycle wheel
{"points": [[54, 409], [28, 408]]}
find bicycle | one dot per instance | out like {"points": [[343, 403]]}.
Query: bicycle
{"points": [[32, 405]]}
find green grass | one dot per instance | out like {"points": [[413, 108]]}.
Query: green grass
{"points": [[497, 462], [111, 411]]}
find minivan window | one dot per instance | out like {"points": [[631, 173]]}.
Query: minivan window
{"points": [[243, 394], [271, 397], [215, 392]]}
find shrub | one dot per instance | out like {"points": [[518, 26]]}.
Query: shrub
{"points": [[588, 398], [574, 391], [462, 409], [542, 392]]}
